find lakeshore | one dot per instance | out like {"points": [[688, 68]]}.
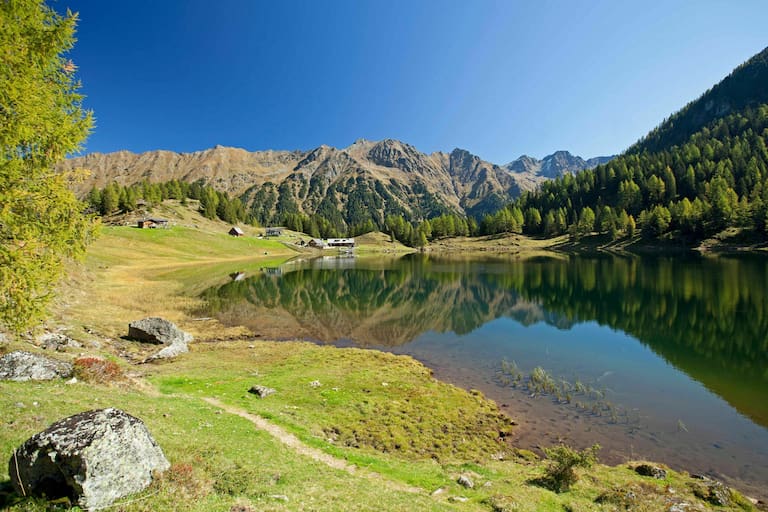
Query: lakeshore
{"points": [[134, 273]]}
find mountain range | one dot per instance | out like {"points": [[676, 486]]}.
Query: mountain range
{"points": [[388, 176]]}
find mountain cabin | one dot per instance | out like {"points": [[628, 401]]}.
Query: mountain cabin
{"points": [[152, 223]]}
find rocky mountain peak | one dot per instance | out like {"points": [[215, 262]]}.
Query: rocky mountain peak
{"points": [[462, 158], [393, 153]]}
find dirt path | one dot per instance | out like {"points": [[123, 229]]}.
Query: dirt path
{"points": [[295, 444]]}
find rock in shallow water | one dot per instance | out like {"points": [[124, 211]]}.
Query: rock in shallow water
{"points": [[94, 458]]}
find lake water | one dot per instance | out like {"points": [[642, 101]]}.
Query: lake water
{"points": [[654, 358]]}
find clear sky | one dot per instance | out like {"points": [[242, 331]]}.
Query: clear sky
{"points": [[498, 78]]}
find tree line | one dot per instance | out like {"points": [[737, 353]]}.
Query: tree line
{"points": [[128, 198], [717, 179], [215, 204]]}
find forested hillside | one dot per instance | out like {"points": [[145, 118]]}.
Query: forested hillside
{"points": [[716, 177]]}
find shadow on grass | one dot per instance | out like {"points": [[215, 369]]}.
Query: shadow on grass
{"points": [[9, 498], [544, 482], [8, 495]]}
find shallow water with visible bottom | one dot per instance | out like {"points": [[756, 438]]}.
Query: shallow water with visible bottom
{"points": [[656, 358]]}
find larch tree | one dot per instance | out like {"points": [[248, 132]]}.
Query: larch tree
{"points": [[41, 121]]}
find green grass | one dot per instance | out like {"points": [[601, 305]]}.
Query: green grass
{"points": [[220, 460], [383, 413]]}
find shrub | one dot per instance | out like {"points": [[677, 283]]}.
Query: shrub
{"points": [[96, 369], [562, 460]]}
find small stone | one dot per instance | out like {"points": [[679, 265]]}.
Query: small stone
{"points": [[315, 384], [261, 391], [73, 380], [170, 352], [465, 481], [719, 494], [241, 508], [279, 497], [438, 491], [458, 499], [20, 405], [57, 341]]}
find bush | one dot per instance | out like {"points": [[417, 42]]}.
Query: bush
{"points": [[96, 369], [562, 460]]}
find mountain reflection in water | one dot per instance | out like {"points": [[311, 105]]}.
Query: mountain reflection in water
{"points": [[705, 317]]}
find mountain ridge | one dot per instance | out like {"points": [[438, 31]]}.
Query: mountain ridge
{"points": [[391, 176]]}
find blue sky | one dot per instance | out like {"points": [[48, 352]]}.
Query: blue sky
{"points": [[498, 78]]}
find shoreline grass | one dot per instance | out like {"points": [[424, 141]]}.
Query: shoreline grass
{"points": [[374, 410]]}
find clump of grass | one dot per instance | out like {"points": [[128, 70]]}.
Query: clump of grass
{"points": [[562, 462], [502, 503], [541, 382], [186, 479], [640, 497], [97, 370]]}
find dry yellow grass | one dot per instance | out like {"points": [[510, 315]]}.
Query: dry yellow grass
{"points": [[131, 274], [505, 244]]}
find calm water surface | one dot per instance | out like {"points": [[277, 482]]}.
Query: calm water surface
{"points": [[672, 352]]}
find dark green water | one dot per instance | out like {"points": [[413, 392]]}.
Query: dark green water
{"points": [[677, 347]]}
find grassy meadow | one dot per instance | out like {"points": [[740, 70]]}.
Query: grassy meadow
{"points": [[347, 429]]}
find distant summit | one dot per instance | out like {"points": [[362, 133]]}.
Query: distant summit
{"points": [[553, 166]]}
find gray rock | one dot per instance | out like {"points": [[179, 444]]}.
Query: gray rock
{"points": [[170, 351], [57, 341], [465, 481], [261, 391], [160, 331], [653, 471], [718, 494], [24, 366], [94, 458], [157, 330]]}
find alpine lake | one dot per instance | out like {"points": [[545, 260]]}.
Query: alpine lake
{"points": [[657, 358]]}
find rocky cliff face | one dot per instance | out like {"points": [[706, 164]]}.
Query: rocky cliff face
{"points": [[387, 177]]}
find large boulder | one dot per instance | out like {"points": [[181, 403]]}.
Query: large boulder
{"points": [[93, 458], [23, 366], [157, 330], [160, 331]]}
